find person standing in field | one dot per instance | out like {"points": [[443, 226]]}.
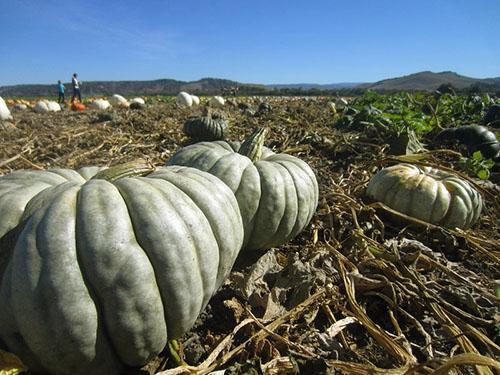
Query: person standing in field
{"points": [[76, 88], [60, 88]]}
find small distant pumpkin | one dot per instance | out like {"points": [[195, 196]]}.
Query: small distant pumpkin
{"points": [[78, 106], [41, 107], [217, 101], [100, 104], [196, 100], [138, 100], [118, 101], [53, 106], [428, 194], [184, 99], [4, 111], [209, 127]]}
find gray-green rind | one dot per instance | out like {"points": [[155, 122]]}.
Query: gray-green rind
{"points": [[103, 273], [428, 194], [206, 128], [277, 194]]}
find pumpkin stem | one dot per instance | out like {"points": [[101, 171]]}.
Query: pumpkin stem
{"points": [[207, 112], [132, 169], [252, 146], [176, 352]]}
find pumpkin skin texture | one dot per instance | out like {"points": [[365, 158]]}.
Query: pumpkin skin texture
{"points": [[428, 194], [206, 128], [18, 188], [277, 194], [105, 271], [183, 99], [492, 116], [475, 137]]}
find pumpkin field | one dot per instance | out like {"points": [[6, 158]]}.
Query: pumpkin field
{"points": [[371, 247]]}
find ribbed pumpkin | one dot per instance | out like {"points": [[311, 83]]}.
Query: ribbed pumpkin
{"points": [[428, 194], [102, 272], [4, 111], [475, 137], [277, 193], [206, 128]]}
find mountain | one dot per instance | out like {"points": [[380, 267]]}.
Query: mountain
{"points": [[157, 87], [422, 81], [308, 86], [430, 81]]}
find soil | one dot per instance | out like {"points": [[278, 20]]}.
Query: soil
{"points": [[359, 291]]}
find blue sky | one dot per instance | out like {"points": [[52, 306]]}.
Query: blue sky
{"points": [[261, 41]]}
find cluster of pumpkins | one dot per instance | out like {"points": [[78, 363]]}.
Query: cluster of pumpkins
{"points": [[184, 99], [99, 266], [43, 106], [103, 265]]}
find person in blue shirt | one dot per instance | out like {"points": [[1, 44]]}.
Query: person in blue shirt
{"points": [[76, 88], [60, 87]]}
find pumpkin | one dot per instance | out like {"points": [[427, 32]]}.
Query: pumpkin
{"points": [[184, 99], [277, 193], [138, 100], [118, 101], [492, 116], [99, 104], [20, 107], [264, 107], [217, 101], [137, 105], [102, 272], [41, 107], [53, 106], [4, 111], [196, 100], [428, 194], [78, 106], [475, 137], [206, 128]]}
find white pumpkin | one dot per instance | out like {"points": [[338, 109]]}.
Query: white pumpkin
{"points": [[41, 107], [100, 104], [138, 100], [428, 194], [195, 99], [217, 101], [118, 101], [53, 106], [4, 111], [184, 99], [20, 107]]}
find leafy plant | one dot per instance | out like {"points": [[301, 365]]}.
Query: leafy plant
{"points": [[477, 165]]}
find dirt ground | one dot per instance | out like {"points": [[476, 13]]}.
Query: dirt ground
{"points": [[359, 291]]}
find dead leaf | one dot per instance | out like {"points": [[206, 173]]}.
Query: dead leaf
{"points": [[10, 364]]}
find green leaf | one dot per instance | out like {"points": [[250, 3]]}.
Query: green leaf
{"points": [[483, 174], [477, 155]]}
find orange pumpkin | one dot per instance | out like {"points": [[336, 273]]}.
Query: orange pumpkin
{"points": [[77, 106]]}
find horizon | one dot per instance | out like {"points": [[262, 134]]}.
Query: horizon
{"points": [[262, 43], [256, 83]]}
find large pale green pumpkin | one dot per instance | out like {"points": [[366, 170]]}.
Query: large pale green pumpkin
{"points": [[428, 194], [277, 193], [101, 272], [18, 188]]}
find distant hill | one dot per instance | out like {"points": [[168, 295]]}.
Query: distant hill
{"points": [[208, 86], [308, 86], [430, 81], [422, 81]]}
